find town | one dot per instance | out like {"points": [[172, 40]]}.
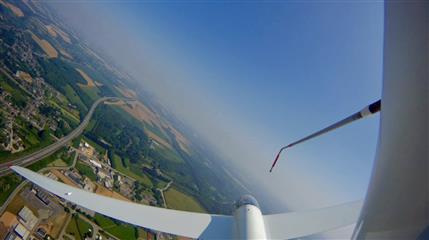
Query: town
{"points": [[30, 105]]}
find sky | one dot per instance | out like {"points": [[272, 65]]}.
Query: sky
{"points": [[251, 77]]}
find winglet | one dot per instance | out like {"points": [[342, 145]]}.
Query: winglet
{"points": [[277, 158]]}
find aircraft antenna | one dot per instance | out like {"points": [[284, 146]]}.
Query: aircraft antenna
{"points": [[366, 111]]}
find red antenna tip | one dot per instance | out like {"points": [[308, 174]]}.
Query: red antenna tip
{"points": [[275, 160]]}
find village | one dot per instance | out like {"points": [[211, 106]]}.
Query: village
{"points": [[25, 104]]}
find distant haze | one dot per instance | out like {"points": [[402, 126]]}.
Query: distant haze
{"points": [[252, 77]]}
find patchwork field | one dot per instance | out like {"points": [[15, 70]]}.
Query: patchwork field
{"points": [[26, 2], [54, 31], [126, 92], [7, 186], [45, 45], [180, 201], [183, 142], [88, 79], [65, 54], [51, 31], [78, 227], [16, 10], [73, 115], [90, 87], [142, 113], [159, 140], [120, 230], [58, 163], [63, 35], [118, 165], [55, 225]]}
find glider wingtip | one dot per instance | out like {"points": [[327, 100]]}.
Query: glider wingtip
{"points": [[272, 166]]}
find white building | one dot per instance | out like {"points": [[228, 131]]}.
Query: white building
{"points": [[21, 231], [27, 218], [95, 163]]}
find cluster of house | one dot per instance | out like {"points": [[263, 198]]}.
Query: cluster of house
{"points": [[37, 88], [11, 142], [106, 175]]}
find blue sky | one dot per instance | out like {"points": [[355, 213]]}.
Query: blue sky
{"points": [[251, 77]]}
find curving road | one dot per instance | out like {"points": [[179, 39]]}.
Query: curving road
{"points": [[162, 190], [38, 155]]}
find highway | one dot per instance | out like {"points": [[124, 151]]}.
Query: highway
{"points": [[38, 155]]}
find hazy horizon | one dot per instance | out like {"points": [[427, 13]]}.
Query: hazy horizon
{"points": [[252, 77]]}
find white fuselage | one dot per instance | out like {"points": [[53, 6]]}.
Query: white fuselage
{"points": [[249, 223]]}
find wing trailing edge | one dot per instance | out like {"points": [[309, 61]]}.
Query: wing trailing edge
{"points": [[303, 223]]}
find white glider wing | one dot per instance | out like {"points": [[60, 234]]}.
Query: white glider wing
{"points": [[304, 223], [188, 224]]}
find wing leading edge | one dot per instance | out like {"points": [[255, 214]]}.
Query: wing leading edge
{"points": [[188, 224]]}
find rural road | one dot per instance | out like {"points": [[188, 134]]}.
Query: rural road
{"points": [[161, 190], [38, 155]]}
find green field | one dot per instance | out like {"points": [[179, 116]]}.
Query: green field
{"points": [[78, 227], [86, 170], [120, 230], [8, 156], [69, 159], [75, 142], [60, 154], [90, 125], [19, 97], [117, 163], [92, 92], [74, 98], [7, 185], [58, 163], [63, 158], [180, 201], [68, 115], [169, 154]]}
